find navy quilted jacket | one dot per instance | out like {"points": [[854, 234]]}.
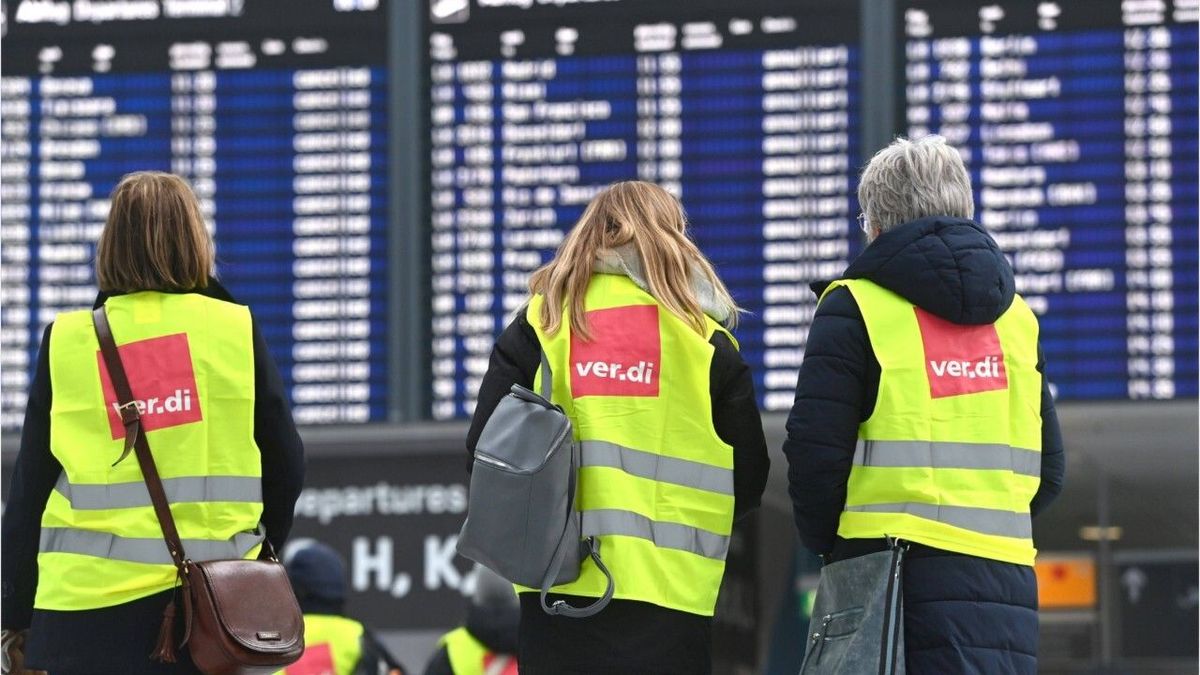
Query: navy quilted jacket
{"points": [[963, 614]]}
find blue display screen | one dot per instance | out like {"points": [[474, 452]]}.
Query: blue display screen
{"points": [[1078, 122], [749, 114], [277, 118]]}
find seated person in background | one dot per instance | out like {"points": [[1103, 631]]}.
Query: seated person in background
{"points": [[488, 641], [333, 643]]}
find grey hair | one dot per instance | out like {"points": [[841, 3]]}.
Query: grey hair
{"points": [[908, 180]]}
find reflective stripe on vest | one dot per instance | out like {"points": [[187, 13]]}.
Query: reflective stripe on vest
{"points": [[951, 455], [190, 489], [941, 455], [657, 467], [190, 362], [149, 551], [332, 644], [655, 482]]}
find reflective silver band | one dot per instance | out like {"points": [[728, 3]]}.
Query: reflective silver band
{"points": [[983, 521], [152, 551], [87, 497], [941, 455], [657, 467], [600, 522]]}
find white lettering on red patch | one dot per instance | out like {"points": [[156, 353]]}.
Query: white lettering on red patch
{"points": [[961, 359], [623, 356], [162, 380]]}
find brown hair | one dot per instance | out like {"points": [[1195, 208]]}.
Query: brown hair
{"points": [[654, 221], [155, 238]]}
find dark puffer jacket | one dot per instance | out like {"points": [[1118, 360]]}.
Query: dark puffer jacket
{"points": [[963, 614]]}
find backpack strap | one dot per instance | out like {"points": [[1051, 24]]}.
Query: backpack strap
{"points": [[547, 377], [590, 546]]}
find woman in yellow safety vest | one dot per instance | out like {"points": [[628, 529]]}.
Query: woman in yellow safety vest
{"points": [[922, 413], [85, 567], [634, 324]]}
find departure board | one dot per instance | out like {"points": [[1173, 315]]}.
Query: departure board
{"points": [[278, 119], [747, 111], [1078, 121]]}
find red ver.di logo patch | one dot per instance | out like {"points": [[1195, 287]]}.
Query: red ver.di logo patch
{"points": [[162, 380], [961, 359], [622, 358]]}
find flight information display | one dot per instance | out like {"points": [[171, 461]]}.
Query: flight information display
{"points": [[1078, 121], [278, 119], [747, 111]]}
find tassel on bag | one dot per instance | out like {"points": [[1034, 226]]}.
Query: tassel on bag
{"points": [[164, 650]]}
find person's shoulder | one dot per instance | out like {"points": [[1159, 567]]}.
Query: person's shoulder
{"points": [[839, 302], [519, 330]]}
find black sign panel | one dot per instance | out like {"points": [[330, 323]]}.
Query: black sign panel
{"points": [[1158, 609], [395, 520]]}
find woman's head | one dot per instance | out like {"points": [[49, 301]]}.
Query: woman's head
{"points": [[652, 221], [908, 180], [155, 238]]}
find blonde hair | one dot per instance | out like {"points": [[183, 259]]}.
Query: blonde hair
{"points": [[652, 220], [154, 238], [908, 180]]}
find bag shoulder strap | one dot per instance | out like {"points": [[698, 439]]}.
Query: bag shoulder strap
{"points": [[591, 545], [547, 378], [135, 437]]}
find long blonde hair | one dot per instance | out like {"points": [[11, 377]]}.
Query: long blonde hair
{"points": [[654, 221]]}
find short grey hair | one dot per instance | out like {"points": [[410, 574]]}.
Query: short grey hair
{"points": [[908, 180]]}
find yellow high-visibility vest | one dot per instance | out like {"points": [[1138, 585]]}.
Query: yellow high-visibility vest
{"points": [[190, 363], [951, 455], [656, 482], [469, 656], [332, 644]]}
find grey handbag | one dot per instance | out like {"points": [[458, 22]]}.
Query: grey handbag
{"points": [[521, 518], [857, 625]]}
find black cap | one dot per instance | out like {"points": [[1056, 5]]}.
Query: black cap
{"points": [[317, 571]]}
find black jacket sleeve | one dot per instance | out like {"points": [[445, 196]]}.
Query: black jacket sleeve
{"points": [[280, 445], [1054, 459], [439, 663], [376, 658], [738, 423], [515, 359], [836, 390], [34, 475]]}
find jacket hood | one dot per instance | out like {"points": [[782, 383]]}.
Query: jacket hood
{"points": [[950, 267]]}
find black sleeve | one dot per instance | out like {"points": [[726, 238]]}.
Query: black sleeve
{"points": [[375, 657], [738, 423], [1054, 459], [439, 663], [835, 391], [514, 360], [280, 445], [34, 475]]}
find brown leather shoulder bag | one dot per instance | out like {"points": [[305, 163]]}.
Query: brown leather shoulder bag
{"points": [[240, 616]]}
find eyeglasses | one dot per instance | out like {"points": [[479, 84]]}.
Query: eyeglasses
{"points": [[864, 223]]}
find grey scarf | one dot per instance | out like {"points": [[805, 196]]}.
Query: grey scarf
{"points": [[625, 261]]}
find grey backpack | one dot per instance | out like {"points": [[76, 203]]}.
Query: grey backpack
{"points": [[521, 518]]}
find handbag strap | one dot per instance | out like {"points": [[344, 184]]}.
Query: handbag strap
{"points": [[135, 436]]}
